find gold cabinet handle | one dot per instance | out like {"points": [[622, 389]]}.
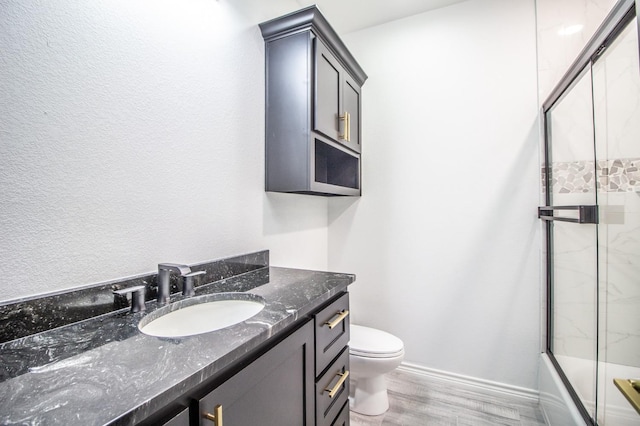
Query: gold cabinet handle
{"points": [[341, 315], [629, 389], [345, 119], [336, 388], [216, 417]]}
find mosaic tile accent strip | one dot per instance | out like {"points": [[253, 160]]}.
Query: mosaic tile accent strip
{"points": [[573, 177], [617, 175], [620, 175]]}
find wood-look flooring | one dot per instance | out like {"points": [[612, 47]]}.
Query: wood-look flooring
{"points": [[418, 401]]}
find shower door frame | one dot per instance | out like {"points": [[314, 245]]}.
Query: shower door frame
{"points": [[616, 21]]}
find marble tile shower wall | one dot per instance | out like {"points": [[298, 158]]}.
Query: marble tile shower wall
{"points": [[563, 28], [615, 278], [617, 184], [613, 181], [575, 277], [616, 100], [619, 269]]}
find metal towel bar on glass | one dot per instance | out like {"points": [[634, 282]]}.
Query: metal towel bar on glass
{"points": [[586, 214]]}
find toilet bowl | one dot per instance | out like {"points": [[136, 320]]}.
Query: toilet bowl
{"points": [[372, 354]]}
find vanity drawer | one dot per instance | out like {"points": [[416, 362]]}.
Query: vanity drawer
{"points": [[332, 390], [343, 417], [331, 332]]}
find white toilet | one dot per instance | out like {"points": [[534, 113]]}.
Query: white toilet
{"points": [[372, 354]]}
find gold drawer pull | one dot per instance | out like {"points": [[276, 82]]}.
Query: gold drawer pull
{"points": [[341, 315], [336, 388], [215, 418], [629, 389]]}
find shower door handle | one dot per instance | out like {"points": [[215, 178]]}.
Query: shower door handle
{"points": [[586, 214], [631, 390]]}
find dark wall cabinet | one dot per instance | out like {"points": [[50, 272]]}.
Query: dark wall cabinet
{"points": [[313, 107], [302, 380]]}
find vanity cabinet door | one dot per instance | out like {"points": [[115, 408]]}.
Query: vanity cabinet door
{"points": [[276, 389], [181, 419]]}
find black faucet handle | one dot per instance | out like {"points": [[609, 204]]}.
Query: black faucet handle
{"points": [[137, 297]]}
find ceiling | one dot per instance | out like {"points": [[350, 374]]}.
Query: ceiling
{"points": [[352, 15], [345, 16]]}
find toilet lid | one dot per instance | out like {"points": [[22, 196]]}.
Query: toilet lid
{"points": [[373, 343]]}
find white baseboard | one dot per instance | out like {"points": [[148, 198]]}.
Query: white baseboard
{"points": [[487, 386]]}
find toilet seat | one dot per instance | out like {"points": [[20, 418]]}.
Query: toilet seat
{"points": [[372, 343]]}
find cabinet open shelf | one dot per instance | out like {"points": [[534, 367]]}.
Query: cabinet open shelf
{"points": [[336, 167]]}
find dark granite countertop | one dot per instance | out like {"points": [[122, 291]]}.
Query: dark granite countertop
{"points": [[104, 370]]}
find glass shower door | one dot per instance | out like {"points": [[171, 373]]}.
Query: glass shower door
{"points": [[572, 240], [592, 166], [616, 94]]}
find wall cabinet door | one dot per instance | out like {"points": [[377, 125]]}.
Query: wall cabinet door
{"points": [[337, 96], [351, 104], [276, 389], [327, 92]]}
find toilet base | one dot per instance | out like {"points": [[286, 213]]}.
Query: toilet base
{"points": [[370, 396]]}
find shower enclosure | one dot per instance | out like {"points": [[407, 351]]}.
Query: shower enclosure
{"points": [[592, 216]]}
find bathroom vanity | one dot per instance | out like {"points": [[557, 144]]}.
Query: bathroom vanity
{"points": [[278, 387], [287, 365]]}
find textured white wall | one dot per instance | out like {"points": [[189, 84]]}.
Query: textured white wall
{"points": [[132, 133], [445, 240]]}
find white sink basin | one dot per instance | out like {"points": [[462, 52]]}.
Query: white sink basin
{"points": [[201, 314]]}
